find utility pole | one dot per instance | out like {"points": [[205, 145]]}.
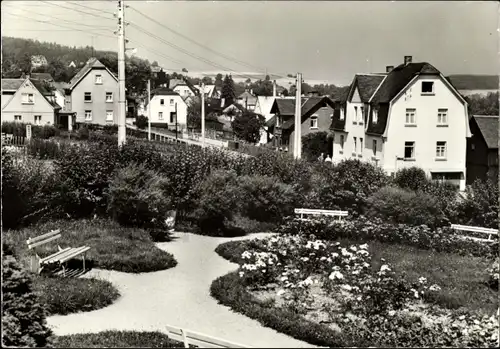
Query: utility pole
{"points": [[297, 145], [176, 121], [121, 74], [203, 115], [149, 109]]}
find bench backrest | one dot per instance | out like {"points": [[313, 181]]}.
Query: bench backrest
{"points": [[320, 212], [43, 239], [475, 229], [198, 339]]}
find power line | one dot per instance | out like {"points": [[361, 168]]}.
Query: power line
{"points": [[197, 43], [88, 7], [173, 60], [80, 11]]}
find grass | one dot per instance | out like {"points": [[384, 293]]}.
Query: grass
{"points": [[112, 247], [117, 339], [462, 279], [73, 295]]}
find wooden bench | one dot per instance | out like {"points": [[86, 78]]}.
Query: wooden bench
{"points": [[200, 340], [62, 256], [486, 231], [307, 211]]}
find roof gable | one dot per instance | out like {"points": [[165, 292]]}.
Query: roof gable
{"points": [[355, 96], [37, 89], [11, 85], [488, 126], [92, 63]]}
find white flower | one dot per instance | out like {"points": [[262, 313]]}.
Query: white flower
{"points": [[284, 278], [246, 255], [336, 275], [391, 312], [335, 255], [415, 293], [422, 280], [305, 259], [355, 272], [280, 293], [241, 274], [322, 258], [353, 248], [363, 247], [434, 288], [346, 287]]}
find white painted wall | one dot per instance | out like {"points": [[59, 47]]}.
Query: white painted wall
{"points": [[183, 90], [427, 133], [167, 108]]}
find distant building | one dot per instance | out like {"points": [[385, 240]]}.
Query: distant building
{"points": [[72, 65], [482, 148], [247, 100], [44, 77], [38, 61], [210, 91], [168, 109]]}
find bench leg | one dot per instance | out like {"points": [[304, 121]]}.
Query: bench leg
{"points": [[84, 262]]}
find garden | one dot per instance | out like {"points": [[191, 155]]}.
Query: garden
{"points": [[115, 200]]}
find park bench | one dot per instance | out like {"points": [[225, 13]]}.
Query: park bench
{"points": [[200, 340], [307, 211], [479, 230], [60, 257]]}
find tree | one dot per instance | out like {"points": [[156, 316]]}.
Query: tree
{"points": [[268, 78], [194, 113], [137, 74], [218, 80], [290, 75], [285, 92], [207, 80], [25, 63], [248, 125], [228, 90], [110, 61], [58, 70], [313, 144], [184, 70], [248, 80], [154, 64], [483, 105], [141, 121]]}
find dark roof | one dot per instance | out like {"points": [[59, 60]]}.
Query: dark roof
{"points": [[42, 76], [474, 82], [11, 84], [163, 91], [366, 84], [283, 106], [92, 63], [488, 126], [398, 78], [340, 94]]}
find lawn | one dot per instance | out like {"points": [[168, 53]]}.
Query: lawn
{"points": [[112, 247], [117, 339]]}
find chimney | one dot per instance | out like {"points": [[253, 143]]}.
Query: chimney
{"points": [[274, 88], [408, 59], [389, 68]]}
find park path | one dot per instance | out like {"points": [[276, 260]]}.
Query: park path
{"points": [[179, 296]]}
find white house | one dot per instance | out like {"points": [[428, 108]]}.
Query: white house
{"points": [[165, 106], [210, 91], [413, 117]]}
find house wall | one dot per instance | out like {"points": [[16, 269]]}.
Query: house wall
{"points": [[99, 106], [167, 108], [477, 155], [426, 132], [15, 106], [60, 99], [183, 90], [324, 115]]}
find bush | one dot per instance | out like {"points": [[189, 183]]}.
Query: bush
{"points": [[412, 178], [83, 133], [494, 274], [74, 294], [23, 317], [266, 199], [117, 339], [44, 149], [401, 206], [110, 129], [137, 197], [479, 207], [314, 144], [141, 121], [19, 129], [45, 132]]}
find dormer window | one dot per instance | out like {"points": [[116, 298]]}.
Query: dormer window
{"points": [[314, 122], [98, 79], [342, 112], [375, 116], [427, 87]]}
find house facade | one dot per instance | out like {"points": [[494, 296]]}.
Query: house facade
{"points": [[168, 109], [27, 101], [210, 91], [482, 148], [38, 61], [93, 94], [414, 117], [247, 100]]}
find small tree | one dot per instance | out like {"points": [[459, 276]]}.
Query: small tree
{"points": [[412, 178], [313, 144], [228, 90], [247, 126], [141, 121]]}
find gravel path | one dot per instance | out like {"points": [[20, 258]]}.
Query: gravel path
{"points": [[178, 297]]}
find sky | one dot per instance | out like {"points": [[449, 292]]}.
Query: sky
{"points": [[323, 40]]}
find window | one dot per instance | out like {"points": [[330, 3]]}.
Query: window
{"points": [[98, 79], [171, 102], [410, 116], [88, 115], [374, 147], [409, 150], [342, 113], [355, 115], [38, 119], [342, 139], [88, 97], [162, 101], [109, 97], [172, 114], [278, 121], [362, 112], [355, 145], [361, 146], [442, 116], [472, 146], [375, 116], [160, 115], [109, 115], [28, 98], [18, 118], [314, 121], [427, 87], [441, 150]]}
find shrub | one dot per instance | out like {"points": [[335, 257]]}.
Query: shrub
{"points": [[83, 133], [219, 197], [314, 144], [412, 178], [493, 274], [117, 339], [44, 149], [19, 129], [23, 317], [479, 207], [141, 121], [45, 132], [266, 199], [402, 206], [137, 197]]}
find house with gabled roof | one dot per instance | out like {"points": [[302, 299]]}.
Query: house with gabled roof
{"points": [[414, 117], [316, 116], [28, 101], [482, 148], [93, 94], [168, 109]]}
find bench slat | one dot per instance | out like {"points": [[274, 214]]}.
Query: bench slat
{"points": [[42, 237], [32, 245], [477, 239], [474, 229], [43, 260], [212, 340], [62, 257], [75, 252], [321, 212]]}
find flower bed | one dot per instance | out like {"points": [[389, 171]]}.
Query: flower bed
{"points": [[361, 229], [339, 299]]}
